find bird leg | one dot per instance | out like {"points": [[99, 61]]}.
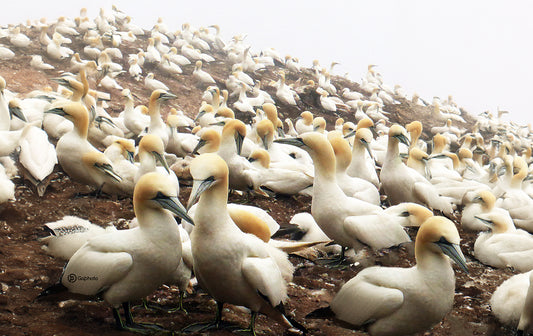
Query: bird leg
{"points": [[157, 307], [213, 325], [250, 331], [130, 325], [336, 261]]}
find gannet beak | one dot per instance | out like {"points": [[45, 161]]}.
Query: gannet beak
{"points": [[479, 150], [454, 252], [201, 143], [17, 112], [238, 142], [367, 146], [349, 135], [198, 187], [58, 110], [131, 156], [108, 170], [298, 142], [167, 96], [161, 160], [200, 114], [61, 81], [487, 222], [403, 139], [106, 120], [265, 142], [220, 123], [173, 204], [281, 133]]}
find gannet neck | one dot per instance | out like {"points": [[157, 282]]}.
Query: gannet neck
{"points": [[393, 150], [147, 162], [84, 81], [516, 180], [343, 154]]}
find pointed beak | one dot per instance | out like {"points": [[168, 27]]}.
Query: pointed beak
{"points": [[167, 96], [198, 188], [161, 159], [130, 156], [239, 139], [58, 110], [173, 205], [367, 146], [298, 142], [199, 115], [201, 143], [17, 112], [264, 140], [454, 252], [108, 170], [350, 134], [403, 139], [281, 132], [487, 222]]}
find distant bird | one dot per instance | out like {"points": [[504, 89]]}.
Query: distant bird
{"points": [[37, 63]]}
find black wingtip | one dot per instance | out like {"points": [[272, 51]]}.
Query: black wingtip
{"points": [[321, 313], [55, 289]]}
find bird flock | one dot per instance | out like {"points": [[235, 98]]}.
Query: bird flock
{"points": [[369, 180]]}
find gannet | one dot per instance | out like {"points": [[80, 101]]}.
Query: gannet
{"points": [[7, 188], [68, 234], [157, 126], [121, 153], [284, 93], [403, 184], [176, 58], [200, 76], [118, 263], [351, 186], [401, 301], [233, 267], [134, 120], [6, 53], [304, 124], [17, 39], [37, 63], [478, 203], [512, 302], [505, 245], [362, 165], [330, 206], [37, 157], [278, 180], [153, 84], [169, 67]]}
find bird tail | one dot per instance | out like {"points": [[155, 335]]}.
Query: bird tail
{"points": [[53, 290]]}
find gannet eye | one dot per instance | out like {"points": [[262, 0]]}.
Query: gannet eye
{"points": [[405, 214]]}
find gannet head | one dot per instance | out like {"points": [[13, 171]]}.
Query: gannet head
{"points": [[97, 161], [270, 110], [348, 129], [414, 127], [2, 84], [128, 148], [486, 198], [496, 222], [341, 148], [307, 117], [153, 145], [399, 133], [236, 129], [261, 156], [365, 123], [464, 153], [75, 112], [416, 213], [161, 95], [439, 235], [319, 124], [198, 65], [210, 140], [153, 190], [265, 132], [207, 171]]}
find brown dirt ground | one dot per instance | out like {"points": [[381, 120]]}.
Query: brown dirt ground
{"points": [[25, 270]]}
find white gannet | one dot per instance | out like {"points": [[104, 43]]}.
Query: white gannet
{"points": [[401, 301], [7, 188], [153, 84], [403, 184], [351, 186], [330, 206], [200, 76], [157, 125], [362, 164], [118, 263], [512, 302], [304, 124], [504, 245], [477, 203], [37, 63], [68, 234], [232, 266], [134, 120], [37, 157]]}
